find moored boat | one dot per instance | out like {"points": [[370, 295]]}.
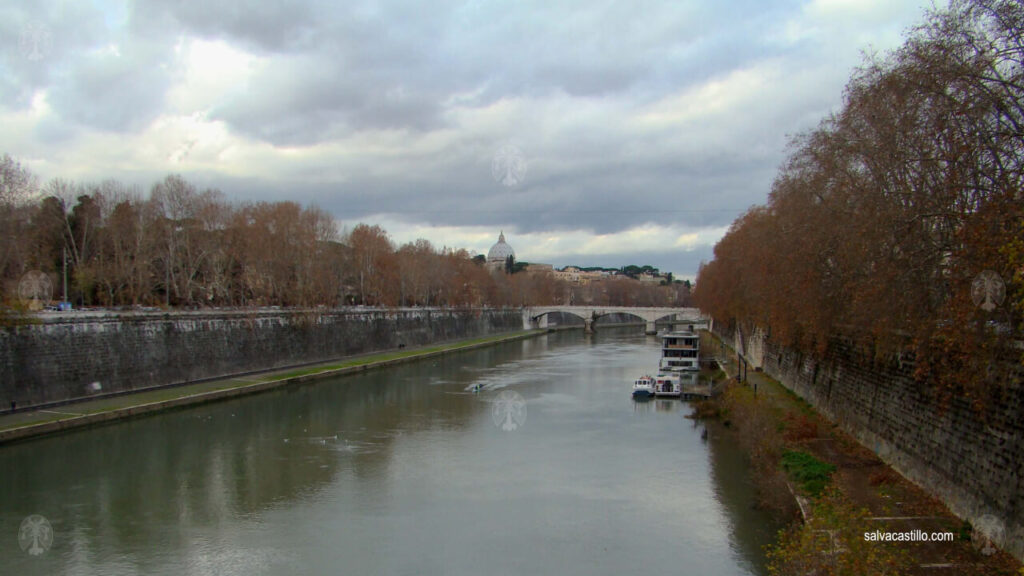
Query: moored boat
{"points": [[680, 352], [643, 387], [668, 384]]}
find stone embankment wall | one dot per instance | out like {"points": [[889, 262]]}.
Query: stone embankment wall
{"points": [[77, 355], [972, 459]]}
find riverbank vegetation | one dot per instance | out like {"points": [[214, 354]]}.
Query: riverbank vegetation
{"points": [[777, 434], [900, 219], [831, 490], [182, 246], [807, 472], [831, 543]]}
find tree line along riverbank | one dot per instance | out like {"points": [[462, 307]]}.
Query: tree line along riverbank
{"points": [[109, 244], [900, 218]]}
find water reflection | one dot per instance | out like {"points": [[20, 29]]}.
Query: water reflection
{"points": [[401, 470]]}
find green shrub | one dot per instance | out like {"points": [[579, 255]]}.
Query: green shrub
{"points": [[811, 474]]}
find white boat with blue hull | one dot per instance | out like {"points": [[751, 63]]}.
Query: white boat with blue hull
{"points": [[643, 387]]}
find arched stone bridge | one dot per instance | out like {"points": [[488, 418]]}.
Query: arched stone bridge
{"points": [[536, 316]]}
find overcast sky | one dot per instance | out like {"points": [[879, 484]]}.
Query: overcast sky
{"points": [[593, 133]]}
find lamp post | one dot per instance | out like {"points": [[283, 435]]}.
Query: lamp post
{"points": [[65, 297]]}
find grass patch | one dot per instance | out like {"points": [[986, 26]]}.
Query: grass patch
{"points": [[39, 420], [810, 474]]}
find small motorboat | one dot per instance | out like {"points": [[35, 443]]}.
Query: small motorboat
{"points": [[643, 387]]}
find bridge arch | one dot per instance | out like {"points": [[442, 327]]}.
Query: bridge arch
{"points": [[544, 314], [621, 313], [536, 316]]}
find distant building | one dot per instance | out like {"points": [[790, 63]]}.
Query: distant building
{"points": [[568, 274], [539, 268], [499, 254], [582, 277], [649, 278]]}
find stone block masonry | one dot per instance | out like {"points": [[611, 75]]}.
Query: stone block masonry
{"points": [[972, 460], [81, 355]]}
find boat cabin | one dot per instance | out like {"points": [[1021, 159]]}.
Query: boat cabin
{"points": [[680, 351]]}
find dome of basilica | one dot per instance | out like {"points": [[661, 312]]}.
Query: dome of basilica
{"points": [[500, 251]]}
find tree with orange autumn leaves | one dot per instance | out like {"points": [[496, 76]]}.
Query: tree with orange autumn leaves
{"points": [[185, 247], [882, 218]]}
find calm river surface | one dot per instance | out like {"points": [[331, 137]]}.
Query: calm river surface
{"points": [[401, 471]]}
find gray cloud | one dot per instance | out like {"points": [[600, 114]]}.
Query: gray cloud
{"points": [[628, 114], [301, 101], [356, 69], [269, 25], [39, 41], [115, 92]]}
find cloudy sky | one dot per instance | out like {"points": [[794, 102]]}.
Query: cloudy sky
{"points": [[593, 133]]}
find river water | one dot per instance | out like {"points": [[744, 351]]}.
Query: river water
{"points": [[551, 468]]}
